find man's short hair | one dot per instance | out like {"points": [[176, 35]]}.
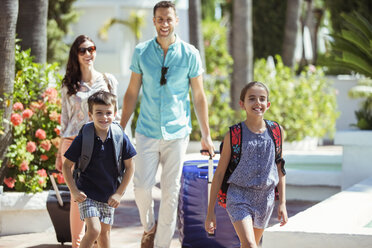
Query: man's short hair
{"points": [[103, 98], [165, 4]]}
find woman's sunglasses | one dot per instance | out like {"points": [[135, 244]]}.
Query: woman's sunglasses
{"points": [[83, 50]]}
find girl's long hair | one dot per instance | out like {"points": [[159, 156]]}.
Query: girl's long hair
{"points": [[73, 73]]}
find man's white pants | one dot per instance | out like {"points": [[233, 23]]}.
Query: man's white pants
{"points": [[170, 154]]}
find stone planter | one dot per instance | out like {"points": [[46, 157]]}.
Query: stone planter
{"points": [[23, 213], [357, 156]]}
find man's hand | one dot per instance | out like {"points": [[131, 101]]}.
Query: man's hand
{"points": [[207, 144]]}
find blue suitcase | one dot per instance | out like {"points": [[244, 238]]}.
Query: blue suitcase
{"points": [[192, 210]]}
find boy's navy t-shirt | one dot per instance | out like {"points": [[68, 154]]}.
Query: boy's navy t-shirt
{"points": [[99, 180]]}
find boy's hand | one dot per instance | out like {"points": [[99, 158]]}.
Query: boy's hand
{"points": [[282, 214], [114, 200], [210, 223], [79, 196]]}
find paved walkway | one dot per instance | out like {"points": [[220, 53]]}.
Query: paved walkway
{"points": [[126, 232]]}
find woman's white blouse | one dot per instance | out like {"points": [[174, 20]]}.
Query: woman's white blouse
{"points": [[74, 113]]}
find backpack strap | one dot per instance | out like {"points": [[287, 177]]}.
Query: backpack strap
{"points": [[236, 148], [87, 132], [276, 134], [117, 138]]}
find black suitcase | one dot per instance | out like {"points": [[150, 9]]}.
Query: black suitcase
{"points": [[58, 206], [192, 210]]}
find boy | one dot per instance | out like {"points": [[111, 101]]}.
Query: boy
{"points": [[97, 189]]}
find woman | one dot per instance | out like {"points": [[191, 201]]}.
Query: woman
{"points": [[80, 81]]}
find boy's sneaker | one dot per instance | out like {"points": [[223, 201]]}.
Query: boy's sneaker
{"points": [[147, 240]]}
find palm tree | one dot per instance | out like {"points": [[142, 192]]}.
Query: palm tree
{"points": [[292, 23], [242, 48], [8, 20], [32, 28], [195, 30]]}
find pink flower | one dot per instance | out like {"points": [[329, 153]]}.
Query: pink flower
{"points": [[27, 113], [16, 119], [56, 129], [31, 146], [60, 179], [9, 181], [35, 106], [44, 157], [17, 106], [23, 166], [54, 116], [42, 172], [41, 181], [40, 134], [46, 145], [51, 93]]}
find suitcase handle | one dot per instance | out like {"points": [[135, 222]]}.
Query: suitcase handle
{"points": [[55, 187]]}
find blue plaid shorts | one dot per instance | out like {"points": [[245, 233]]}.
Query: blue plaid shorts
{"points": [[91, 208]]}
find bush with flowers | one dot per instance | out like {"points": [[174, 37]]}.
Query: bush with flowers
{"points": [[36, 125]]}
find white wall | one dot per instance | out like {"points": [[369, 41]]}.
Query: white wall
{"points": [[114, 55]]}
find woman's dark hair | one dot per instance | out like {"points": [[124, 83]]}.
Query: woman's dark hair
{"points": [[73, 73]]}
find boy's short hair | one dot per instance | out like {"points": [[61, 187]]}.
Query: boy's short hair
{"points": [[103, 98], [165, 4], [250, 85]]}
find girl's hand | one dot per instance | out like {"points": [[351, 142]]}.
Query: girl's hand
{"points": [[210, 223], [282, 214]]}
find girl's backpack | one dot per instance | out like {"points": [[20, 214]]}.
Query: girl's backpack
{"points": [[236, 147]]}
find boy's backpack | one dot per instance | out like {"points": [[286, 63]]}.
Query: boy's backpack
{"points": [[236, 147], [87, 132]]}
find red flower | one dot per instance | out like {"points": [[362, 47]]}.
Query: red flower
{"points": [[27, 113], [17, 106], [34, 106], [31, 146], [16, 119], [23, 166], [40, 134], [9, 181], [60, 179], [46, 145], [56, 129], [42, 172], [44, 157]]}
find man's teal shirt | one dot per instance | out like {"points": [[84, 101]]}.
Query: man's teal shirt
{"points": [[165, 109]]}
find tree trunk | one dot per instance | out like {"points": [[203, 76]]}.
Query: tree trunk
{"points": [[8, 20], [242, 48], [195, 27], [32, 27], [292, 24]]}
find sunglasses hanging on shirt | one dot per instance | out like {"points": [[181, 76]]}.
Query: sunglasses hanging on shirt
{"points": [[164, 71]]}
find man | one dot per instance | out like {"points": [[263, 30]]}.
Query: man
{"points": [[165, 67]]}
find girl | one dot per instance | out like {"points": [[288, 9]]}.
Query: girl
{"points": [[251, 192], [80, 81]]}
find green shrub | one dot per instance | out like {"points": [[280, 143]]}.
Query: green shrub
{"points": [[303, 105]]}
